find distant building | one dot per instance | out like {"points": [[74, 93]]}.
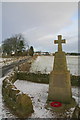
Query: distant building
{"points": [[37, 53], [41, 53], [45, 53], [52, 54]]}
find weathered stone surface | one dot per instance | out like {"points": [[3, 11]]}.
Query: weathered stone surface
{"points": [[24, 105], [60, 87], [65, 111], [59, 83], [19, 103], [60, 62]]}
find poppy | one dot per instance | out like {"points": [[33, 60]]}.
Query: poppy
{"points": [[55, 104]]}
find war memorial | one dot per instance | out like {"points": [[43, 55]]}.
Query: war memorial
{"points": [[59, 83], [59, 87]]}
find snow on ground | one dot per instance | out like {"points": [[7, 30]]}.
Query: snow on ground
{"points": [[76, 94], [39, 93], [4, 111], [73, 64], [1, 79], [45, 64], [7, 61]]}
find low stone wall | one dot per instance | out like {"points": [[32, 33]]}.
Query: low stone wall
{"points": [[43, 78], [19, 102], [26, 65], [75, 80], [39, 78]]}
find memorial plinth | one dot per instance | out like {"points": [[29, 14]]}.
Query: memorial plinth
{"points": [[59, 82]]}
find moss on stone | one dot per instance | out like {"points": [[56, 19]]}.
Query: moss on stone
{"points": [[18, 102], [39, 78], [43, 78], [24, 105]]}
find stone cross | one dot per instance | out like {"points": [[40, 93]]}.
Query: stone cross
{"points": [[59, 42], [59, 81]]}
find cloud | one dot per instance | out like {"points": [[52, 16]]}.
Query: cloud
{"points": [[40, 22], [50, 36], [40, 0]]}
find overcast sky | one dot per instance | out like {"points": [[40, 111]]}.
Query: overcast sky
{"points": [[40, 23]]}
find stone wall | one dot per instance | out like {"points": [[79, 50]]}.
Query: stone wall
{"points": [[19, 102], [43, 78], [26, 65], [39, 78]]}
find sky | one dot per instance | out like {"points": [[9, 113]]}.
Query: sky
{"points": [[41, 22]]}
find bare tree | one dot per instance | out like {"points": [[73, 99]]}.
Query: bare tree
{"points": [[14, 44]]}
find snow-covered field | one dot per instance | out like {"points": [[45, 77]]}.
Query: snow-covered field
{"points": [[45, 64]]}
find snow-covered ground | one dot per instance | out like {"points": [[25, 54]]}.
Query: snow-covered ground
{"points": [[39, 93], [45, 64], [7, 61], [4, 111]]}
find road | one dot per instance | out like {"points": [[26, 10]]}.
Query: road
{"points": [[5, 69]]}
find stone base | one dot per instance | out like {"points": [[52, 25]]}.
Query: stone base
{"points": [[65, 111], [60, 87]]}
